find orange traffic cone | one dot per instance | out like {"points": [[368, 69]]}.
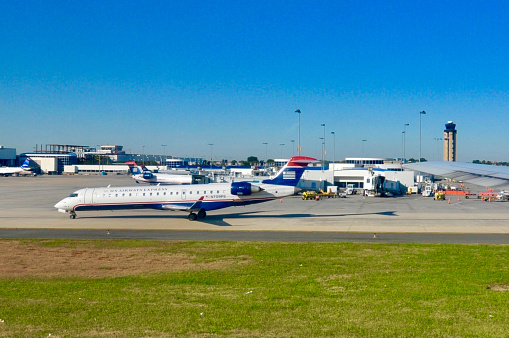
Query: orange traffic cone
{"points": [[449, 202], [280, 201], [458, 199], [489, 200]]}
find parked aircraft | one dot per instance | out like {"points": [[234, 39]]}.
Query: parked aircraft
{"points": [[196, 199], [144, 175], [484, 175], [8, 171]]}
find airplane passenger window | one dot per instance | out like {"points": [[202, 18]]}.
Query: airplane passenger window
{"points": [[129, 194], [116, 195], [176, 192], [157, 194], [190, 193], [150, 194], [143, 194]]}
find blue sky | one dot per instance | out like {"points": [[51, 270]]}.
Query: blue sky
{"points": [[232, 73]]}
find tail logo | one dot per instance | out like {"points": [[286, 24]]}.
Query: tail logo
{"points": [[288, 175]]}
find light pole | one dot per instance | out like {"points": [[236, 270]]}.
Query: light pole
{"points": [[362, 160], [404, 140], [143, 158], [420, 133], [299, 148], [321, 138], [99, 156], [164, 150], [293, 147], [324, 152], [281, 145], [211, 144], [266, 158], [334, 153]]}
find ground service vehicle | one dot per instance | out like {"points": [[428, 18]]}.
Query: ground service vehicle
{"points": [[328, 194], [309, 195]]}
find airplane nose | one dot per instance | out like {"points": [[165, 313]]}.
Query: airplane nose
{"points": [[60, 205]]}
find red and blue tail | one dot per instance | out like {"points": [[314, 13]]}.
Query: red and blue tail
{"points": [[291, 173]]}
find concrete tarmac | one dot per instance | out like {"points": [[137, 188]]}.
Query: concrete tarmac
{"points": [[27, 203]]}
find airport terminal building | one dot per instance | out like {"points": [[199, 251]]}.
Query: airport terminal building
{"points": [[356, 172], [7, 157]]}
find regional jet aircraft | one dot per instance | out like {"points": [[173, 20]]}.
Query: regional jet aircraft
{"points": [[144, 175], [195, 199], [7, 171]]}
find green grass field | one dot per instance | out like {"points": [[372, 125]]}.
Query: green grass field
{"points": [[152, 288]]}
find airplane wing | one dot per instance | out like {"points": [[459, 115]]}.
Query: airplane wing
{"points": [[176, 207], [484, 175]]}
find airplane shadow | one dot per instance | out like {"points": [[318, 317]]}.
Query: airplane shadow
{"points": [[219, 220]]}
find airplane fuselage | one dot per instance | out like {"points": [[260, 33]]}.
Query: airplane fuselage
{"points": [[12, 171], [164, 179], [213, 196]]}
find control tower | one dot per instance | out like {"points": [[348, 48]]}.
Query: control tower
{"points": [[450, 145]]}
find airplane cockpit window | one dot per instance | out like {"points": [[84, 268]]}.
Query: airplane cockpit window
{"points": [[73, 195]]}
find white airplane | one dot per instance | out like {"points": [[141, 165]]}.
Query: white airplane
{"points": [[144, 175], [196, 199], [484, 175], [7, 171]]}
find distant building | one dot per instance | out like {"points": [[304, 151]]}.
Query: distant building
{"points": [[175, 163], [7, 157], [450, 146], [51, 163]]}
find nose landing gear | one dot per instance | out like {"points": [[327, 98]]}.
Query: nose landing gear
{"points": [[72, 215]]}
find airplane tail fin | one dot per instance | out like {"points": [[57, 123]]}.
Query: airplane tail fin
{"points": [[291, 173], [135, 170], [26, 164]]}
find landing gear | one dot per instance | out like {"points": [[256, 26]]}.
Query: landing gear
{"points": [[193, 216], [72, 215]]}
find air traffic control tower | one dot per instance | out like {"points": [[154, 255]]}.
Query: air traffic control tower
{"points": [[450, 145]]}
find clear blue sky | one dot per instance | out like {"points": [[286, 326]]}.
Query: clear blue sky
{"points": [[232, 73]]}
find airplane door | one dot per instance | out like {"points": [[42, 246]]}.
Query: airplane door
{"points": [[183, 194], [89, 196]]}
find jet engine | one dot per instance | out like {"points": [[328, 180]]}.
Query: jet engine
{"points": [[244, 188], [147, 175]]}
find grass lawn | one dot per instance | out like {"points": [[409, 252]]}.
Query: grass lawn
{"points": [[157, 288]]}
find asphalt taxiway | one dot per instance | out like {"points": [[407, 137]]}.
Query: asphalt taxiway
{"points": [[26, 207]]}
